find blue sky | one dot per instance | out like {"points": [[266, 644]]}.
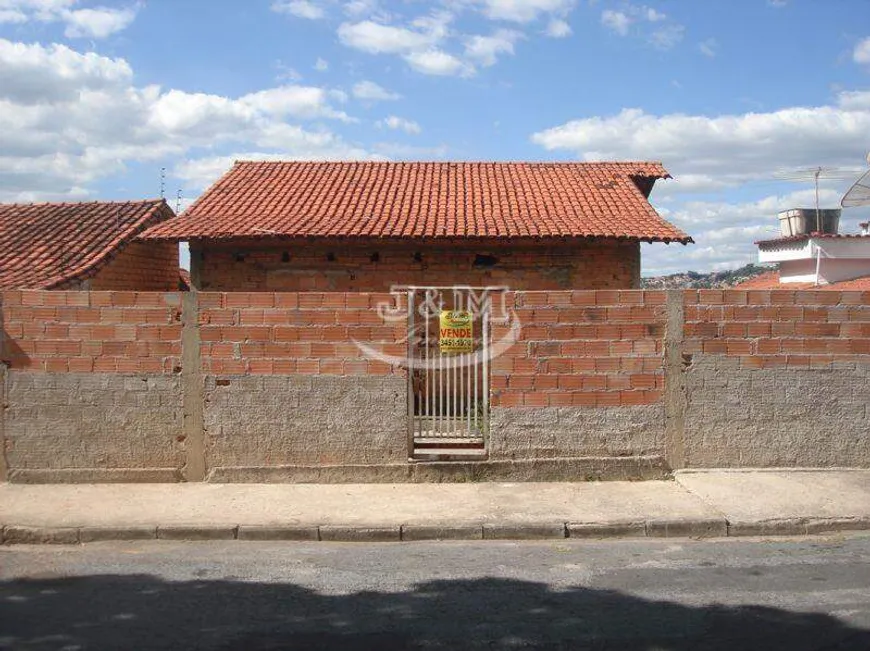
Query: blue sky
{"points": [[97, 97]]}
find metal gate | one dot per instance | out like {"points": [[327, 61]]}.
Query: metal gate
{"points": [[448, 393]]}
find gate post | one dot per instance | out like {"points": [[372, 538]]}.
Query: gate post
{"points": [[410, 373]]}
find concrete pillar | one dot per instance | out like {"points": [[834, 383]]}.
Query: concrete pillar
{"points": [[675, 381], [192, 387]]}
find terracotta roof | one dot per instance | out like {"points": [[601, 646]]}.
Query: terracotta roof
{"points": [[770, 280], [46, 245], [802, 238], [427, 200]]}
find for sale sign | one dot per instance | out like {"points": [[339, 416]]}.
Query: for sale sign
{"points": [[456, 334]]}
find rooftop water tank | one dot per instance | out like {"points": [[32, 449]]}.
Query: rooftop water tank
{"points": [[803, 221]]}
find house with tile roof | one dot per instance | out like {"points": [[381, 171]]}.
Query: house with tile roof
{"points": [[810, 257], [86, 245], [367, 226]]}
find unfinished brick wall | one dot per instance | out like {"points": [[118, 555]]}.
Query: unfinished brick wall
{"points": [[376, 267], [139, 266], [92, 386], [135, 386], [585, 378], [287, 387], [312, 333], [777, 378]]}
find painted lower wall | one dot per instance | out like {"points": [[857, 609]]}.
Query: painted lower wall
{"points": [[81, 427], [777, 417]]}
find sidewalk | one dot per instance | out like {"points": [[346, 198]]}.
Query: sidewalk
{"points": [[697, 504]]}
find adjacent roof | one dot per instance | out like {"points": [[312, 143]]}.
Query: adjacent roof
{"points": [[46, 245], [788, 239], [770, 280], [427, 200]]}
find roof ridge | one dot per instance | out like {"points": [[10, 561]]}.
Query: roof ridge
{"points": [[110, 202]]}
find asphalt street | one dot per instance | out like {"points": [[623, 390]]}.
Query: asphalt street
{"points": [[797, 594]]}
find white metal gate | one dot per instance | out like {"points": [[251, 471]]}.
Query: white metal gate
{"points": [[448, 393]]}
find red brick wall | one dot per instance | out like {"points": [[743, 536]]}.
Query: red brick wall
{"points": [[604, 264], [123, 332], [577, 347], [582, 348], [803, 329], [140, 266], [311, 333]]}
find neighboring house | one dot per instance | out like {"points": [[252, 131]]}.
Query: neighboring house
{"points": [[812, 259], [87, 245], [346, 226]]}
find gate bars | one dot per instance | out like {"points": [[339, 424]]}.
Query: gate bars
{"points": [[448, 394]]}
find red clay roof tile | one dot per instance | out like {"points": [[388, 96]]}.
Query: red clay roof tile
{"points": [[45, 245], [770, 280], [426, 200]]}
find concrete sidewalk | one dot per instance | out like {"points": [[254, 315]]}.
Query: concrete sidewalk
{"points": [[696, 504]]}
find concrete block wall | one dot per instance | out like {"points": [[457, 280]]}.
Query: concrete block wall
{"points": [[104, 386], [776, 378], [287, 387], [586, 377], [92, 386]]}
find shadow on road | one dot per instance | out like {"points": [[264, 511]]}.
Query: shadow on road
{"points": [[144, 612]]}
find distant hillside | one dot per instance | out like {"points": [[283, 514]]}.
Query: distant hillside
{"points": [[695, 280]]}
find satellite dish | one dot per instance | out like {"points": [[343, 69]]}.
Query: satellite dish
{"points": [[859, 193]]}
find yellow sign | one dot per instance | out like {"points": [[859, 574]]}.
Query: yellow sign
{"points": [[456, 334]]}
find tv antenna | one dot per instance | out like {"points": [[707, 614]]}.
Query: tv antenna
{"points": [[814, 174], [859, 193], [162, 182]]}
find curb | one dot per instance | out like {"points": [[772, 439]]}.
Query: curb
{"points": [[695, 528]]}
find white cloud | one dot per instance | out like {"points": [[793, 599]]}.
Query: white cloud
{"points": [[372, 92], [664, 37], [97, 23], [93, 22], [862, 52], [667, 37], [12, 16], [437, 62], [524, 11], [299, 8], [736, 148], [486, 49], [399, 124], [558, 28], [615, 21], [70, 118], [321, 65], [376, 38], [36, 73], [723, 157], [709, 47]]}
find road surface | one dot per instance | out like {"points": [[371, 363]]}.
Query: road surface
{"points": [[796, 594]]}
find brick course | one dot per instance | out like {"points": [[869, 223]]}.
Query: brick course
{"points": [[348, 267], [140, 266]]}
